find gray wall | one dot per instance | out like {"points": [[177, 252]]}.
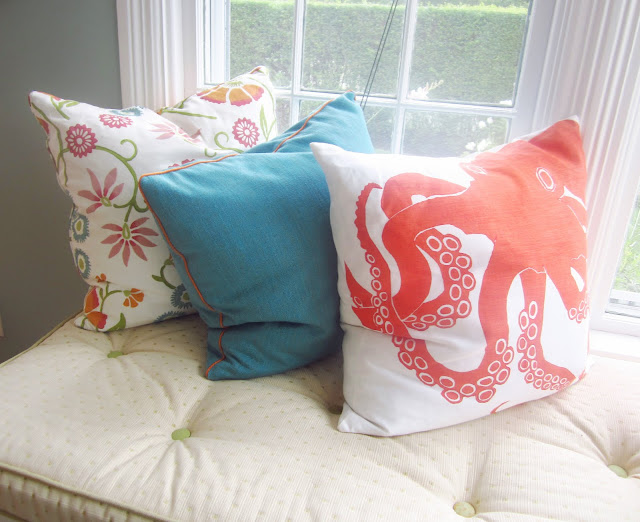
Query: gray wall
{"points": [[68, 48]]}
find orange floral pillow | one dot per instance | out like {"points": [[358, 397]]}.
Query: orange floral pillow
{"points": [[462, 280], [99, 155]]}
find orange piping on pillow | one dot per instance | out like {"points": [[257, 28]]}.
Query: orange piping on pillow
{"points": [[303, 125], [224, 356], [164, 232]]}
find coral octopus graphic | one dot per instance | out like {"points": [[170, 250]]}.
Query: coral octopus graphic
{"points": [[518, 205]]}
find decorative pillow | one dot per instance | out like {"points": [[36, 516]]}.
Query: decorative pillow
{"points": [[232, 116], [99, 154], [252, 242], [462, 281]]}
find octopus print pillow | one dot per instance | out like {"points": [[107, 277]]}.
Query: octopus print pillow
{"points": [[461, 280], [99, 154]]}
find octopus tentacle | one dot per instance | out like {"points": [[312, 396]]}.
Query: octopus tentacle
{"points": [[413, 353], [362, 305], [479, 383], [538, 372], [493, 370], [383, 317], [575, 299], [398, 205], [455, 270]]}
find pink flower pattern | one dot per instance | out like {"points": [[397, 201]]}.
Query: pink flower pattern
{"points": [[246, 132], [167, 130], [131, 237], [81, 140], [115, 121], [101, 195], [184, 162]]}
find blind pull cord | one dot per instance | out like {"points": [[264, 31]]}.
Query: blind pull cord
{"points": [[376, 60]]}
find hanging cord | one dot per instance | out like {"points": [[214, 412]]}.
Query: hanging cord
{"points": [[376, 60]]}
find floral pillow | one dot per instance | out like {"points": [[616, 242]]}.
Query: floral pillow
{"points": [[233, 116], [99, 155], [461, 281]]}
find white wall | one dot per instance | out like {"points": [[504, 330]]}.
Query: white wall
{"points": [[68, 48]]}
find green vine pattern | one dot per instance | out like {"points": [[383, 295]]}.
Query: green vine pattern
{"points": [[266, 129], [216, 140], [63, 103], [264, 125], [189, 114], [102, 294], [60, 157], [161, 278], [132, 203]]}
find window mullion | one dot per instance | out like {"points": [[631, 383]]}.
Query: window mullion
{"points": [[216, 41], [535, 50], [410, 20], [298, 48], [192, 35]]}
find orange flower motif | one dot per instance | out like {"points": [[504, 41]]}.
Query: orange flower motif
{"points": [[133, 297], [235, 93], [91, 302]]}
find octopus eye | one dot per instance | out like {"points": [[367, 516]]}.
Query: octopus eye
{"points": [[545, 179]]}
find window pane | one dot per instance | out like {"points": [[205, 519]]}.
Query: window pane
{"points": [[308, 107], [468, 52], [380, 124], [262, 34], [625, 296], [283, 113], [442, 134], [340, 44]]}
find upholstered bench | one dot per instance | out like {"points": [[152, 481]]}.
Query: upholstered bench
{"points": [[123, 426]]}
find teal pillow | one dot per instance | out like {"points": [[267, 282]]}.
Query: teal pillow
{"points": [[252, 243], [337, 121]]}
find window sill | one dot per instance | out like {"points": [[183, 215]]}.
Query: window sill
{"points": [[615, 346]]}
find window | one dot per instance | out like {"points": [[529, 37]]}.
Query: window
{"points": [[573, 58], [448, 78], [624, 299]]}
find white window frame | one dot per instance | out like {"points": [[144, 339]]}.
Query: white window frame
{"points": [[519, 115], [587, 63]]}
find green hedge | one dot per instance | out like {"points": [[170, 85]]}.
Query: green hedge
{"points": [[472, 49], [462, 46]]}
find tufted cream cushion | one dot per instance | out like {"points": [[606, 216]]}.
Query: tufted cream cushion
{"points": [[88, 436]]}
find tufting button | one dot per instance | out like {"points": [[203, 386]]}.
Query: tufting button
{"points": [[181, 434], [114, 354], [464, 509], [621, 472]]}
